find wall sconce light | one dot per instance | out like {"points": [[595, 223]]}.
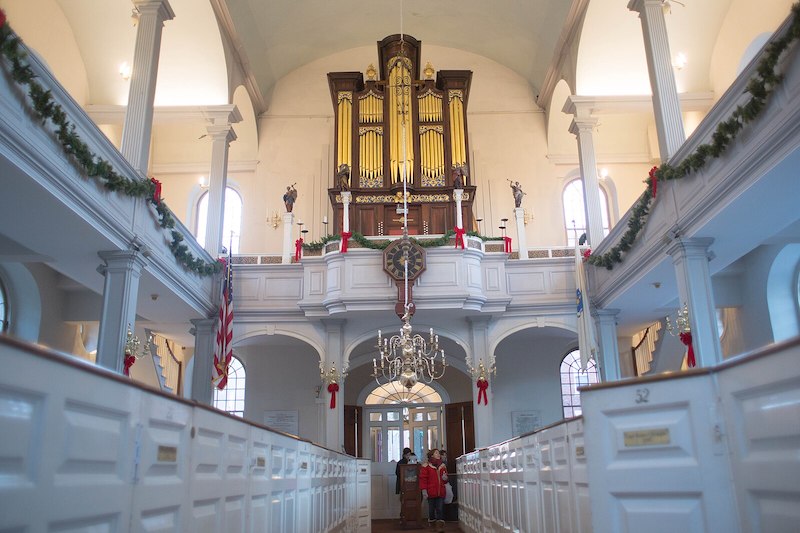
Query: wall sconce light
{"points": [[125, 70], [202, 182], [526, 216], [135, 16], [275, 220]]}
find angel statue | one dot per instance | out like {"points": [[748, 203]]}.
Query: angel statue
{"points": [[516, 189], [343, 177], [289, 197]]}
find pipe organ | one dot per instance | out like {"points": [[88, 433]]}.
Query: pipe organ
{"points": [[396, 128]]}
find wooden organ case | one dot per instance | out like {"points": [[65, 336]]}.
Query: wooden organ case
{"points": [[396, 127]]}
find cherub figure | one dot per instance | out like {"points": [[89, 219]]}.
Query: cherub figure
{"points": [[289, 197]]}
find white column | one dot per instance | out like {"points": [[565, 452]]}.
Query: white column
{"points": [[122, 271], [347, 197], [139, 114], [583, 126], [204, 331], [288, 243], [334, 354], [690, 257], [221, 134], [519, 216], [667, 106], [606, 321], [458, 196], [479, 333]]}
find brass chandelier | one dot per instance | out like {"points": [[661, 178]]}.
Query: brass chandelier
{"points": [[407, 357]]}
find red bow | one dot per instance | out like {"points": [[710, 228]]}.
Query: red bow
{"points": [[459, 237], [345, 237], [333, 388], [686, 338], [156, 191], [482, 386], [298, 249], [129, 360], [586, 253], [2, 18], [654, 181], [507, 248]]}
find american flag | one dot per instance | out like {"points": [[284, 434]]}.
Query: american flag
{"points": [[223, 350], [587, 343]]}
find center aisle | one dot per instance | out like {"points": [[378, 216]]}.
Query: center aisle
{"points": [[390, 526]]}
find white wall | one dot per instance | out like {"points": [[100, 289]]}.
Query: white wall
{"points": [[283, 380], [527, 379]]}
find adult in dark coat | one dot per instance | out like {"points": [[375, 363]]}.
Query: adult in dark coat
{"points": [[403, 461]]}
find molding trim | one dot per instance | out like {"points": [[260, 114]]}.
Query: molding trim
{"points": [[569, 33], [202, 167], [115, 114], [608, 159], [228, 31], [598, 105]]}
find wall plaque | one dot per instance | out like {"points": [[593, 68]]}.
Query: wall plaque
{"points": [[285, 421], [167, 454], [523, 422], [646, 437]]}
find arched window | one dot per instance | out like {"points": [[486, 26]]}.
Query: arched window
{"points": [[231, 398], [574, 210], [393, 392], [573, 377], [232, 223], [3, 308]]}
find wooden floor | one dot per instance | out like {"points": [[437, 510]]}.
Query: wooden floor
{"points": [[389, 526]]}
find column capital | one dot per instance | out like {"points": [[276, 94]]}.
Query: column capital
{"points": [[159, 7], [640, 5], [123, 259], [685, 248], [480, 321], [458, 195], [582, 125], [222, 115], [605, 314], [221, 133], [202, 325], [347, 197]]}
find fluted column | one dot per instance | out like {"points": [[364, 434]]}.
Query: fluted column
{"points": [[522, 239], [221, 133], [204, 331], [606, 321], [690, 257], [122, 270], [583, 127], [667, 106], [479, 335], [288, 244], [139, 115], [334, 355]]}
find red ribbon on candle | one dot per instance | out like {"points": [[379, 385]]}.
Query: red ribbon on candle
{"points": [[654, 181], [345, 237], [2, 18], [333, 388], [156, 191], [298, 249], [129, 360], [459, 237], [482, 386], [507, 241], [686, 338]]}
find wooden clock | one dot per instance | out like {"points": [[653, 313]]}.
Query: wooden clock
{"points": [[394, 260]]}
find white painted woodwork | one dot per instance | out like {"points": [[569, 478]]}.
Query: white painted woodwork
{"points": [[85, 449], [706, 451]]}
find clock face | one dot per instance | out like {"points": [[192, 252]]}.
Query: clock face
{"points": [[394, 259]]}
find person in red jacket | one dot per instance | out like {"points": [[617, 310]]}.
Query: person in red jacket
{"points": [[432, 478]]}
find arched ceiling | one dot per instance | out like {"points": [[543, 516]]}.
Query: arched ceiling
{"points": [[278, 37]]}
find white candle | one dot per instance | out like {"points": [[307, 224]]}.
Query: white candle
{"points": [[325, 219]]}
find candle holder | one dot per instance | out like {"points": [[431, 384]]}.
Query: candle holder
{"points": [[681, 324]]}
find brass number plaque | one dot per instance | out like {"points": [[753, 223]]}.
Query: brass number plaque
{"points": [[167, 454], [646, 437]]}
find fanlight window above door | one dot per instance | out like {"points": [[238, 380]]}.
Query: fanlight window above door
{"points": [[394, 393]]}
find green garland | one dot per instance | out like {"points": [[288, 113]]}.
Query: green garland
{"points": [[44, 108], [760, 87], [444, 240]]}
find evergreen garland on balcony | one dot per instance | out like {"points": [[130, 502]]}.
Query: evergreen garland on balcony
{"points": [[444, 240], [760, 88], [46, 109]]}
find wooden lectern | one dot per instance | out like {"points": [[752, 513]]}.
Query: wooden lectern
{"points": [[410, 497]]}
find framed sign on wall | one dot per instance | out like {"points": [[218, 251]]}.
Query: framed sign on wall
{"points": [[523, 422]]}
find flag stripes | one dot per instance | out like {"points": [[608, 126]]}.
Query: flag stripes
{"points": [[223, 349]]}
